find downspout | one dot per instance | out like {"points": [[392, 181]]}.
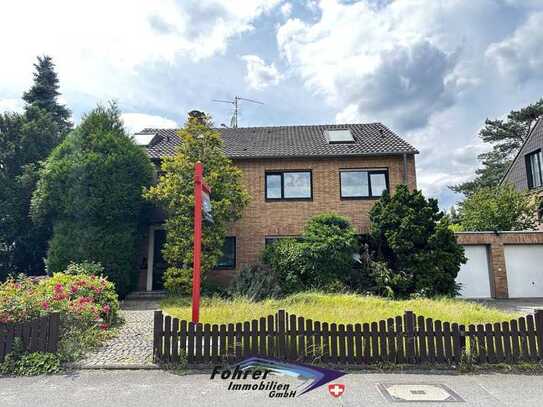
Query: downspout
{"points": [[404, 156]]}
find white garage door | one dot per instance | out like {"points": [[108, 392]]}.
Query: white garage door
{"points": [[474, 275], [524, 265]]}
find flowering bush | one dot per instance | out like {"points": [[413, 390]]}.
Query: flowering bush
{"points": [[86, 299]]}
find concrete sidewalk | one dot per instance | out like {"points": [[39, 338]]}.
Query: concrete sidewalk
{"points": [[159, 388]]}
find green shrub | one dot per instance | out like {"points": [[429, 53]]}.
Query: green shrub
{"points": [[19, 363], [87, 268], [89, 300], [412, 236], [90, 189], [31, 364], [284, 258], [256, 283], [328, 244], [321, 259], [178, 281], [88, 305]]}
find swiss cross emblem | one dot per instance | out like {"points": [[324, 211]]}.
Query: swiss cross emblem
{"points": [[336, 389]]}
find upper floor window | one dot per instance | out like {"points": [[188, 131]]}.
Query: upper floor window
{"points": [[533, 167], [288, 185], [363, 183]]}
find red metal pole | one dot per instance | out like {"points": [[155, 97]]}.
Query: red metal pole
{"points": [[198, 180]]}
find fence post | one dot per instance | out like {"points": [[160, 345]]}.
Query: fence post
{"points": [[157, 336], [410, 331], [281, 334], [54, 326], [539, 330]]}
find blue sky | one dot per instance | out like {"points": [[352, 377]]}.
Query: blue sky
{"points": [[430, 70]]}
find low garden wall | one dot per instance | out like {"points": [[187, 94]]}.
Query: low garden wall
{"points": [[407, 339]]}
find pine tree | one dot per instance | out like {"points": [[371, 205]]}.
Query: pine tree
{"points": [[26, 140], [506, 138], [44, 93]]}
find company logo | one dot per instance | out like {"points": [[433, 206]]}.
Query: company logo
{"points": [[259, 374], [336, 389]]}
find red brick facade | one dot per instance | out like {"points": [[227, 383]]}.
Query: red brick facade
{"points": [[286, 218]]}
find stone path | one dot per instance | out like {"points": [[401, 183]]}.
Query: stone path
{"points": [[133, 347]]}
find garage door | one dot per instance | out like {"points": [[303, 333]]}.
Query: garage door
{"points": [[474, 275], [524, 265]]}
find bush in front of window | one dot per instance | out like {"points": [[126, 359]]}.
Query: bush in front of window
{"points": [[413, 238], [321, 259]]}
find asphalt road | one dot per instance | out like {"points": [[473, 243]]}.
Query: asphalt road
{"points": [[158, 388]]}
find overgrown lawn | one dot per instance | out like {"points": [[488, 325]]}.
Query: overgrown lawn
{"points": [[340, 308]]}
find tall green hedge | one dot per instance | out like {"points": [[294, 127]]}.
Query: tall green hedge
{"points": [[91, 189]]}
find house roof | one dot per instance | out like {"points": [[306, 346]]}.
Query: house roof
{"points": [[291, 141]]}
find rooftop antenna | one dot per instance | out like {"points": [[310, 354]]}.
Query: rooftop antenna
{"points": [[235, 103]]}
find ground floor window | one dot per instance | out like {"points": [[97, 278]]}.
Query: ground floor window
{"points": [[228, 259]]}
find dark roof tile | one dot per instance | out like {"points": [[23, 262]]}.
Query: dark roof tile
{"points": [[292, 141]]}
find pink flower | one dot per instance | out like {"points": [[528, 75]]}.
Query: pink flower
{"points": [[106, 308], [104, 326], [45, 305], [73, 289]]}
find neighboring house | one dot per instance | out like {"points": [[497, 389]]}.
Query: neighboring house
{"points": [[292, 173], [526, 170]]}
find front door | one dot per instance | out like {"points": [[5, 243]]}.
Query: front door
{"points": [[159, 264]]}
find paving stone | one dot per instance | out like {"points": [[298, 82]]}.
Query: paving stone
{"points": [[132, 347]]}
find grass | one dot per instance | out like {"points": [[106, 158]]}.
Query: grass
{"points": [[340, 308]]}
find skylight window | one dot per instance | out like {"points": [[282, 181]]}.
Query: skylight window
{"points": [[143, 139], [339, 136]]}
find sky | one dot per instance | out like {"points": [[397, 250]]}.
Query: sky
{"points": [[431, 70]]}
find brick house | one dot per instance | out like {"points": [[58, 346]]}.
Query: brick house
{"points": [[292, 173]]}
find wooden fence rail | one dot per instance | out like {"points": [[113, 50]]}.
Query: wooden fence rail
{"points": [[409, 339], [37, 335]]}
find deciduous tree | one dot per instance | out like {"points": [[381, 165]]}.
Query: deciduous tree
{"points": [[498, 208], [175, 193]]}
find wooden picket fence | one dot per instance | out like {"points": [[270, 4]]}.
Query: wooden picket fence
{"points": [[407, 339], [37, 335]]}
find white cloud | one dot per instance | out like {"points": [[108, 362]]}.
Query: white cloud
{"points": [[520, 55], [286, 9], [135, 122], [260, 75], [368, 60], [99, 45]]}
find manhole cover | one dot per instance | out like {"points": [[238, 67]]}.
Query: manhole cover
{"points": [[400, 392]]}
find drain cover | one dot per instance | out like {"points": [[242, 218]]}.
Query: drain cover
{"points": [[399, 392]]}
